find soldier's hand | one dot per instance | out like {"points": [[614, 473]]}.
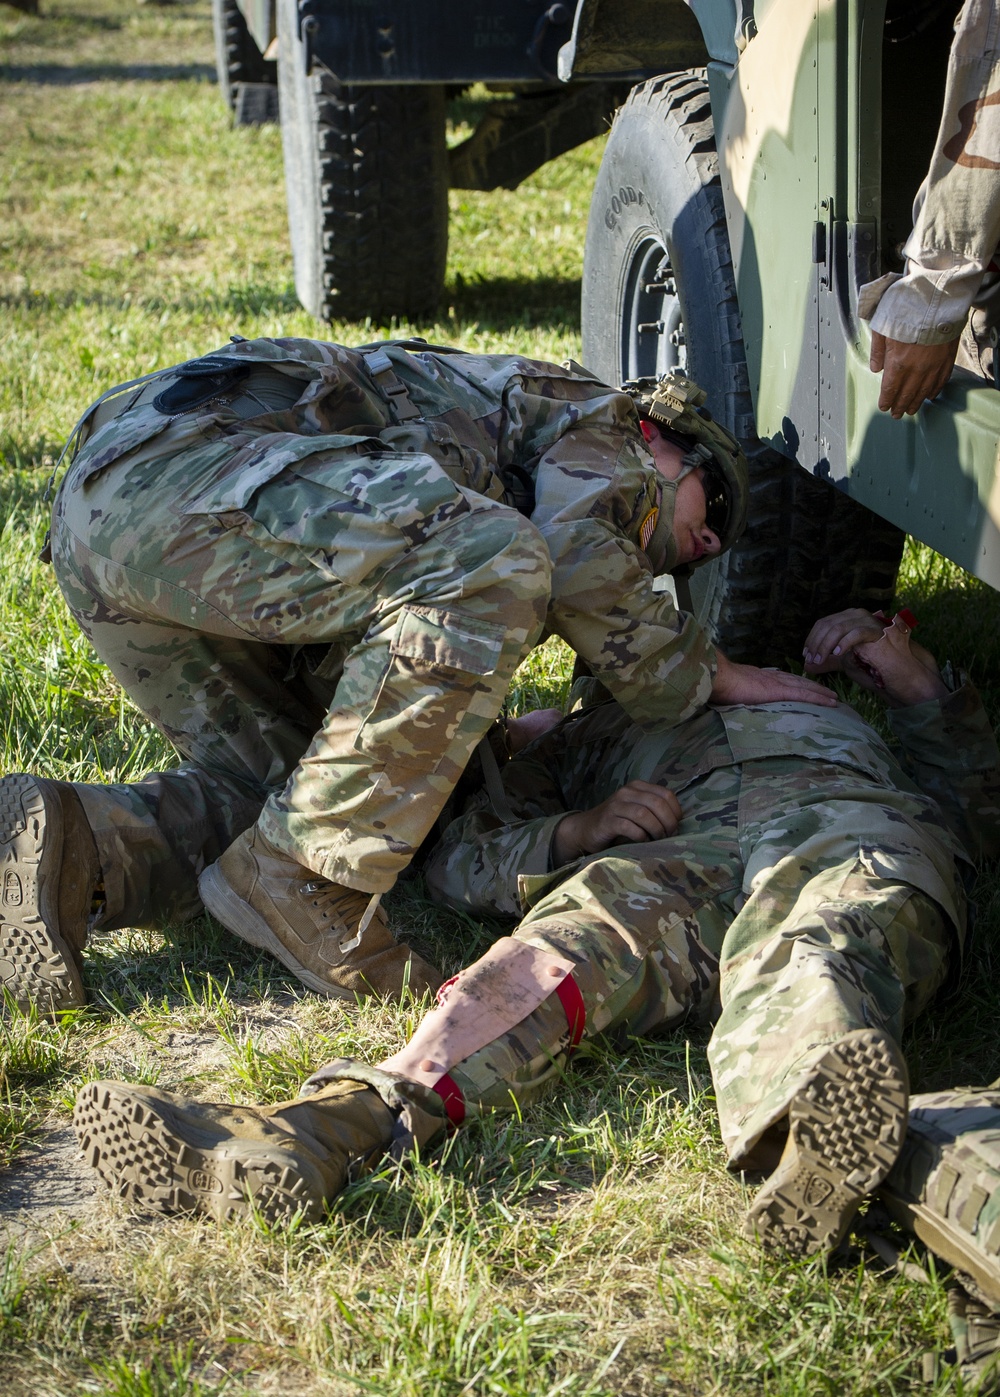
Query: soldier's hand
{"points": [[829, 644], [735, 683], [878, 655], [636, 813], [910, 372]]}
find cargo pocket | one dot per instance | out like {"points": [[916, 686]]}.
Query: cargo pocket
{"points": [[262, 461], [336, 503], [111, 442], [906, 923], [438, 659]]}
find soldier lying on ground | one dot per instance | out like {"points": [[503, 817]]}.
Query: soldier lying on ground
{"points": [[315, 569], [784, 880]]}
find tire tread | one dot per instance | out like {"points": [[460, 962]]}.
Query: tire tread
{"points": [[809, 549], [237, 57], [380, 162]]}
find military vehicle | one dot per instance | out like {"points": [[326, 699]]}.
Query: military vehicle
{"points": [[738, 209], [762, 169], [361, 89]]}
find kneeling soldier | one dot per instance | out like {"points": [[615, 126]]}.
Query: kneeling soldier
{"points": [[315, 569], [783, 878]]}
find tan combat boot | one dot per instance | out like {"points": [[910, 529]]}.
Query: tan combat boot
{"points": [[48, 875], [845, 1128], [319, 930], [172, 1154]]}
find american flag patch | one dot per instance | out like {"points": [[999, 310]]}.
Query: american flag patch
{"points": [[648, 527]]}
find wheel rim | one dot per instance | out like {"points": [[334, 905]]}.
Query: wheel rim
{"points": [[652, 328], [653, 341]]}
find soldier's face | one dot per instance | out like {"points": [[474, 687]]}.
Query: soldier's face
{"points": [[693, 537]]}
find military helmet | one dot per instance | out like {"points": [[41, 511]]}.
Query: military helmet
{"points": [[675, 401]]}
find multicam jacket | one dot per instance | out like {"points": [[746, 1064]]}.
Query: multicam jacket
{"points": [[937, 804], [560, 446]]}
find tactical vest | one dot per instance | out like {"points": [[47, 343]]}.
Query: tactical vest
{"points": [[264, 380]]}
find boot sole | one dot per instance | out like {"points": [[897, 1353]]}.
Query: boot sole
{"points": [[240, 918], [146, 1153], [37, 968], [846, 1128]]}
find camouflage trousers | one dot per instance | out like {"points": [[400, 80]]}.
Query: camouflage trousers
{"points": [[324, 649], [765, 915]]}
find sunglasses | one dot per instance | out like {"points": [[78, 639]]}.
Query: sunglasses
{"points": [[716, 502]]}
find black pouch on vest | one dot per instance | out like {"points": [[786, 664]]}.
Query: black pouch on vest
{"points": [[199, 383]]}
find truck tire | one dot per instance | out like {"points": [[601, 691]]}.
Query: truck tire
{"points": [[657, 256], [366, 176], [237, 57]]}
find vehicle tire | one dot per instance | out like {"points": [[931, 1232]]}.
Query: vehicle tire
{"points": [[657, 255], [237, 57], [366, 176]]}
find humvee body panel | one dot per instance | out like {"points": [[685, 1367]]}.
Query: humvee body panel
{"points": [[718, 21], [803, 175], [824, 114], [436, 41]]}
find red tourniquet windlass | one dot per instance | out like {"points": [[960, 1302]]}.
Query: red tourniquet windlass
{"points": [[569, 996]]}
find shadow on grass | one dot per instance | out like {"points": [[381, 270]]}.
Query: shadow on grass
{"points": [[514, 303], [469, 109], [955, 1042], [62, 75], [498, 305], [126, 970]]}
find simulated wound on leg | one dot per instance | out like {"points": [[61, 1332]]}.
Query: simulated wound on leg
{"points": [[503, 1026]]}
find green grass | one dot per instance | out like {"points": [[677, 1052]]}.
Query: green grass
{"points": [[34, 1055], [591, 1246]]}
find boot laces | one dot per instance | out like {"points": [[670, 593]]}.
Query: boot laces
{"points": [[335, 902]]}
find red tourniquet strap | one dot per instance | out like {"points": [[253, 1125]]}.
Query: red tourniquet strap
{"points": [[576, 1011], [454, 1101], [568, 992]]}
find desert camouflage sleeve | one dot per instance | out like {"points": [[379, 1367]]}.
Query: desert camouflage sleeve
{"points": [[951, 752], [956, 215], [594, 488]]}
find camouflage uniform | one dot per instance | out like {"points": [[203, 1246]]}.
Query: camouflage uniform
{"points": [[811, 889], [952, 265], [314, 582], [810, 900]]}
